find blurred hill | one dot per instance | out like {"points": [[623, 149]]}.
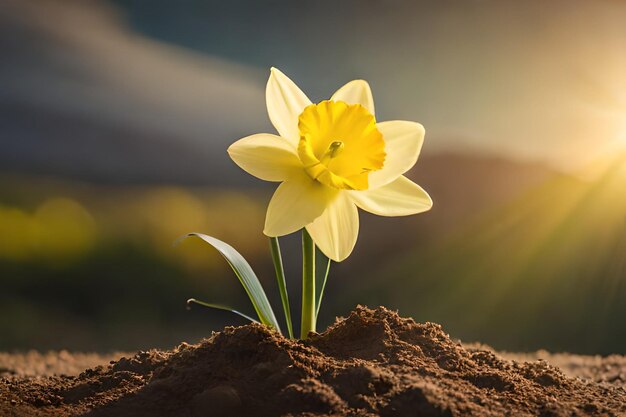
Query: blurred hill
{"points": [[117, 243], [463, 187], [546, 268], [83, 96], [48, 142]]}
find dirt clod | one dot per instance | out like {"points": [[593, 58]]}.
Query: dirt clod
{"points": [[372, 363]]}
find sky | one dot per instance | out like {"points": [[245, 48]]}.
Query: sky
{"points": [[533, 80]]}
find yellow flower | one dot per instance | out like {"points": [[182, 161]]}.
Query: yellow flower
{"points": [[331, 158]]}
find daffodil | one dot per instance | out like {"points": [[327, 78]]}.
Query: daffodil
{"points": [[330, 158]]}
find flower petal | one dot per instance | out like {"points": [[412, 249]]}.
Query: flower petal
{"points": [[296, 203], [336, 230], [403, 142], [401, 197], [356, 92], [268, 157], [285, 101]]}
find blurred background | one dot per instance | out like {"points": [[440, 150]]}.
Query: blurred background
{"points": [[115, 117]]}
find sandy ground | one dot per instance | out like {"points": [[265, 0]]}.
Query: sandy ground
{"points": [[610, 369], [33, 363]]}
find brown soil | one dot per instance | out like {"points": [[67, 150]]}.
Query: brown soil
{"points": [[373, 363], [34, 363]]}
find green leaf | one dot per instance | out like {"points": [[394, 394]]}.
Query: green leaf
{"points": [[219, 307], [246, 277], [322, 267], [282, 282]]}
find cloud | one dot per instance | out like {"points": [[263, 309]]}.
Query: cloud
{"points": [[524, 80], [74, 68]]}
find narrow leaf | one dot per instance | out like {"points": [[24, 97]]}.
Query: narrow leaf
{"points": [[322, 269], [246, 277], [282, 282], [219, 307]]}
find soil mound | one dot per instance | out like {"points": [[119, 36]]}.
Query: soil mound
{"points": [[372, 363]]}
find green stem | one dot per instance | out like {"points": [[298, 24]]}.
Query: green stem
{"points": [[282, 283], [308, 285]]}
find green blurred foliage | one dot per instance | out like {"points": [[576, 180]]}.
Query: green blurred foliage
{"points": [[93, 267], [97, 268]]}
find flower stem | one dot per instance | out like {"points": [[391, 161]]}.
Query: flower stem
{"points": [[282, 283], [308, 286]]}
